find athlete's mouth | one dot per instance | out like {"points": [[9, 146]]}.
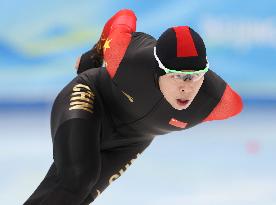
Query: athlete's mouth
{"points": [[182, 102]]}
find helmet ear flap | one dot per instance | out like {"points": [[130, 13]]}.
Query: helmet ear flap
{"points": [[158, 71]]}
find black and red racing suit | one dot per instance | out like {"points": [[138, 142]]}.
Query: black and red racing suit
{"points": [[107, 116]]}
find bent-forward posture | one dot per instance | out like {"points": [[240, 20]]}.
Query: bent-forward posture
{"points": [[130, 88]]}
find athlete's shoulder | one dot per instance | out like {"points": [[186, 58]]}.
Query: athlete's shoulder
{"points": [[140, 43], [126, 46], [229, 101], [120, 38], [144, 39]]}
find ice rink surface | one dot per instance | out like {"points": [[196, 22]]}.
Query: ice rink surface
{"points": [[230, 162]]}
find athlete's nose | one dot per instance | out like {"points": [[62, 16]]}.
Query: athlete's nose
{"points": [[186, 89]]}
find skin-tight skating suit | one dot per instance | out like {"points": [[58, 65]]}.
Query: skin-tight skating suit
{"points": [[107, 116]]}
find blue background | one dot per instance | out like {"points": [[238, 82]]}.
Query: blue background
{"points": [[219, 162]]}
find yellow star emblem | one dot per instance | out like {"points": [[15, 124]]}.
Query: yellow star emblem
{"points": [[107, 44]]}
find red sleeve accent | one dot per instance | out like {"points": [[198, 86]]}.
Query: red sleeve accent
{"points": [[123, 18], [117, 34], [230, 104], [113, 56]]}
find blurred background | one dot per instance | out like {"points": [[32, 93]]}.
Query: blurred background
{"points": [[215, 163]]}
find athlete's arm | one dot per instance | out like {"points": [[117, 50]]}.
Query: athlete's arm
{"points": [[76, 121], [117, 32], [90, 59], [229, 105]]}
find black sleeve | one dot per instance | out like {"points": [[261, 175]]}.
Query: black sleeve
{"points": [[91, 59]]}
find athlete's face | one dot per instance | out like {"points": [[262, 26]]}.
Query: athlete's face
{"points": [[177, 92]]}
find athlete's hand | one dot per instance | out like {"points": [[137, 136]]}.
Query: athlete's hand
{"points": [[77, 63], [91, 59]]}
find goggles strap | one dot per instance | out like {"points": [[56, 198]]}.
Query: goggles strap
{"points": [[160, 64]]}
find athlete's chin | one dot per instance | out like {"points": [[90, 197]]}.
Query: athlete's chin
{"points": [[181, 108]]}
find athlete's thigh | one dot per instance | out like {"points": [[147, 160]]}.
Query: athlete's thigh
{"points": [[114, 163]]}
